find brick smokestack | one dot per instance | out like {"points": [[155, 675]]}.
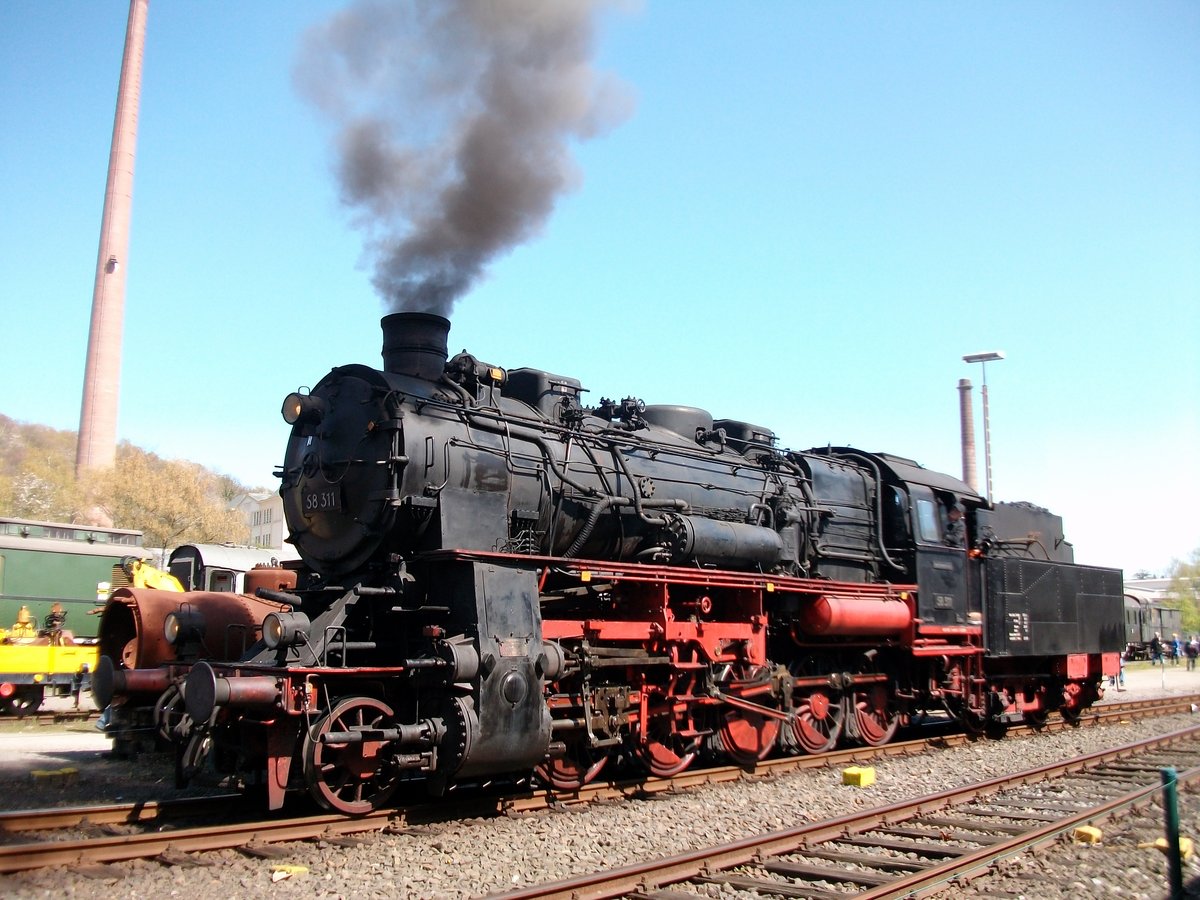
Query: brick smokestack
{"points": [[967, 416], [97, 448]]}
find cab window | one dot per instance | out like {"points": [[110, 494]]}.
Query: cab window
{"points": [[927, 522], [896, 519], [221, 580]]}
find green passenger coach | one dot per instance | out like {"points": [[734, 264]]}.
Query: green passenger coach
{"points": [[75, 566]]}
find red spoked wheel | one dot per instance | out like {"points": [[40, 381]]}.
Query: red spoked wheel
{"points": [[348, 777], [660, 748], [818, 722], [747, 737], [875, 718], [668, 757], [578, 766]]}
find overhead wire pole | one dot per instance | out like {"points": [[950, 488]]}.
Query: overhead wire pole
{"points": [[97, 445], [983, 359]]}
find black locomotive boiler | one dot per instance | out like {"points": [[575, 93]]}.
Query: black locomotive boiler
{"points": [[497, 579]]}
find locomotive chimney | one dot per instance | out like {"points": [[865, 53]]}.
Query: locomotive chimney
{"points": [[415, 344], [967, 417]]}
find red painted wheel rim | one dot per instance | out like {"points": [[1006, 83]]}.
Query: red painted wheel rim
{"points": [[747, 737], [818, 722], [875, 720], [663, 761], [570, 772]]}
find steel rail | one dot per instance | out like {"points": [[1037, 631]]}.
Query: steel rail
{"points": [[11, 722], [113, 813], [650, 876], [22, 857], [980, 861]]}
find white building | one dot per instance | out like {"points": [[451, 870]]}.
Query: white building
{"points": [[262, 511]]}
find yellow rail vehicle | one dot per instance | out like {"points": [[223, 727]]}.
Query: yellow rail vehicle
{"points": [[53, 576], [34, 661]]}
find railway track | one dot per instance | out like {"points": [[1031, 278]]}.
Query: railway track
{"points": [[915, 847], [47, 718], [36, 838]]}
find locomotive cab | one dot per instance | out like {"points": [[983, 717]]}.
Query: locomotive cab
{"points": [[941, 567], [920, 542]]}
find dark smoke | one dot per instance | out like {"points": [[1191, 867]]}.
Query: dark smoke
{"points": [[453, 125]]}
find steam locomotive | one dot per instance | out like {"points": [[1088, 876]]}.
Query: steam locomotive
{"points": [[496, 579]]}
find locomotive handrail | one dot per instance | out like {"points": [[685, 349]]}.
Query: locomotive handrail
{"points": [[539, 441], [615, 436], [862, 457], [652, 573]]}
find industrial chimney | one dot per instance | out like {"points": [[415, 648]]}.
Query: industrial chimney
{"points": [[967, 417], [97, 447]]}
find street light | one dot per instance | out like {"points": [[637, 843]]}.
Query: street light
{"points": [[983, 359]]}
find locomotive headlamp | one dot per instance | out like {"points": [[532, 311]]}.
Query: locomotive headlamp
{"points": [[171, 628], [285, 629], [304, 409], [183, 625]]}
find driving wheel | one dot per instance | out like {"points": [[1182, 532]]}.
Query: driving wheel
{"points": [[874, 716], [578, 766], [350, 777], [818, 722]]}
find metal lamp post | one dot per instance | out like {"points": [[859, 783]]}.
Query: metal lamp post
{"points": [[983, 359]]}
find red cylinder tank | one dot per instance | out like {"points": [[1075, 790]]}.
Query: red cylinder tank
{"points": [[854, 616], [270, 577]]}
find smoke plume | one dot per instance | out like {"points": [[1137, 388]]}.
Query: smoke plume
{"points": [[453, 126]]}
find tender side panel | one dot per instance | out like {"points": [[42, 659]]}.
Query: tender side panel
{"points": [[1041, 608]]}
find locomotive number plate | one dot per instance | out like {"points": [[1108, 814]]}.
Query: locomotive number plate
{"points": [[327, 499]]}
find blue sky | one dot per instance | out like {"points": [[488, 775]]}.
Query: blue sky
{"points": [[812, 212]]}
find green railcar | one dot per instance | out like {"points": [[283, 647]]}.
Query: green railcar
{"points": [[76, 566]]}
